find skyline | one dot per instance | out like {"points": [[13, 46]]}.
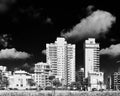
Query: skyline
{"points": [[30, 26]]}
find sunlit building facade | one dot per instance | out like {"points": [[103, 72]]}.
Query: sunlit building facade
{"points": [[91, 56], [41, 74], [19, 80], [92, 62], [61, 57]]}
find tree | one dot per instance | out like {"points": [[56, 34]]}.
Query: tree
{"points": [[51, 78], [31, 82], [80, 79], [75, 85], [3, 80], [86, 83], [100, 83], [56, 83]]}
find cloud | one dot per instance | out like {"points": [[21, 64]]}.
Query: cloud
{"points": [[44, 51], [90, 9], [5, 40], [113, 40], [13, 54], [27, 67], [113, 50], [95, 25], [5, 5], [48, 20]]}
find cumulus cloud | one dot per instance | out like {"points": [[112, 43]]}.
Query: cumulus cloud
{"points": [[113, 50], [13, 54], [44, 51], [95, 25]]}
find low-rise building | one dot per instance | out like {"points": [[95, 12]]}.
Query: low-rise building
{"points": [[96, 80], [42, 72], [19, 80], [3, 68], [116, 81]]}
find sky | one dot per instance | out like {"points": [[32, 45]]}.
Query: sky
{"points": [[27, 25]]}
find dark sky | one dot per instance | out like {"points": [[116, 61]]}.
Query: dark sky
{"points": [[31, 24]]}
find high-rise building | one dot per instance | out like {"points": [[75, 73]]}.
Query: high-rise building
{"points": [[91, 56], [92, 61], [42, 72], [61, 57]]}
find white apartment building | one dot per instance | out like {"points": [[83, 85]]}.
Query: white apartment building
{"points": [[61, 57], [19, 80], [91, 56], [3, 68], [42, 72], [4, 71], [96, 80], [92, 61]]}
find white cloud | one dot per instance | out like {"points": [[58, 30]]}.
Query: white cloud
{"points": [[95, 25], [13, 54], [113, 50]]}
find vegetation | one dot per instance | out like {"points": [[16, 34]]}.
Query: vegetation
{"points": [[3, 81], [31, 82], [55, 82]]}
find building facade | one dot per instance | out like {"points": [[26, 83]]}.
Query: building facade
{"points": [[41, 74], [3, 68], [116, 81], [19, 80], [61, 57], [96, 80], [92, 62], [91, 56]]}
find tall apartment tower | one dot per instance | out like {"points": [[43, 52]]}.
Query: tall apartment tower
{"points": [[91, 56], [61, 57]]}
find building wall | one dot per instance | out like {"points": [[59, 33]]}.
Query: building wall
{"points": [[116, 81], [19, 80], [92, 62], [71, 63], [96, 80], [91, 56], [61, 57], [3, 68], [42, 72]]}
